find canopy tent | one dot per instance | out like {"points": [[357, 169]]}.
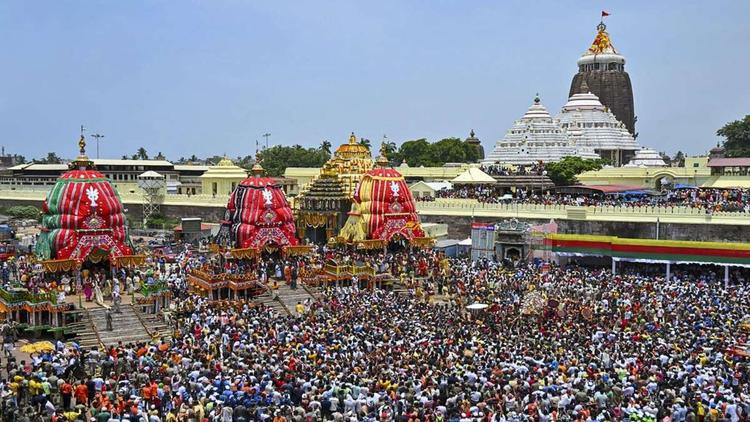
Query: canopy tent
{"points": [[473, 176]]}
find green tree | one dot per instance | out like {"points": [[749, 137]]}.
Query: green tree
{"points": [[325, 146], [416, 153], [679, 158], [564, 172], [160, 156], [193, 158], [366, 142], [276, 159], [736, 137], [51, 158], [125, 157], [141, 154]]}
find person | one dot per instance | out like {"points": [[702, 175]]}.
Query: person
{"points": [[81, 393], [66, 391], [300, 308], [108, 316]]}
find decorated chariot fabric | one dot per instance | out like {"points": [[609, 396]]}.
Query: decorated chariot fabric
{"points": [[82, 214]]}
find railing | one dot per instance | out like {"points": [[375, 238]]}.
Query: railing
{"points": [[26, 296], [127, 197], [155, 288], [469, 207]]}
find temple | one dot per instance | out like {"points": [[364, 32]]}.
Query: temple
{"points": [[601, 70], [590, 124], [536, 137]]}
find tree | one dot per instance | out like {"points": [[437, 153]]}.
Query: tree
{"points": [[141, 154], [564, 172], [51, 158], [125, 157], [276, 159], [193, 158], [419, 152], [416, 153], [737, 137], [365, 142], [325, 146], [160, 156], [679, 158]]}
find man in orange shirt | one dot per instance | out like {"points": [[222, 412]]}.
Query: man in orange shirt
{"points": [[66, 391], [82, 393]]}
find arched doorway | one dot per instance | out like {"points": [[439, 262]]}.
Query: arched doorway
{"points": [[512, 254]]}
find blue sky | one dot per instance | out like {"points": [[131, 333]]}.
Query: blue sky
{"points": [[209, 77]]}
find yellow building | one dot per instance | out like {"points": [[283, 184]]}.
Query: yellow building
{"points": [[222, 178], [695, 173]]}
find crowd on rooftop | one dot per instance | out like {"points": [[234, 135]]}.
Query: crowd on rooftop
{"points": [[710, 200], [553, 344]]}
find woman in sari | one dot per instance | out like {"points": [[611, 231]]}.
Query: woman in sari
{"points": [[88, 290]]}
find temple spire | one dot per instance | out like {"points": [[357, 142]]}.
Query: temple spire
{"points": [[382, 160], [82, 162]]}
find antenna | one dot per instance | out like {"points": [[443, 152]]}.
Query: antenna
{"points": [[97, 137]]}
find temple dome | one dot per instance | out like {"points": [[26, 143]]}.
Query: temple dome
{"points": [[590, 124], [646, 157], [536, 137], [602, 51]]}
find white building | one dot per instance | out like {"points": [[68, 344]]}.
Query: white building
{"points": [[590, 124], [646, 157], [536, 137]]}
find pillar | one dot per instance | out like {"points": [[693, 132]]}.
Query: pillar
{"points": [[614, 266], [669, 270], [726, 276]]}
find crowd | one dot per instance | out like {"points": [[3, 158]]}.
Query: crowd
{"points": [[710, 200], [501, 170], [553, 344]]}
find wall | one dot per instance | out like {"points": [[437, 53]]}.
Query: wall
{"points": [[459, 227]]}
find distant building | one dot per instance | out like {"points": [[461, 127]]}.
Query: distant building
{"points": [[601, 70], [476, 143], [536, 137], [647, 157], [590, 124]]}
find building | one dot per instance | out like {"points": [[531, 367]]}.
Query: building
{"points": [[428, 190], [590, 124], [646, 157], [222, 178], [695, 173], [601, 70], [536, 137], [476, 144], [190, 178]]}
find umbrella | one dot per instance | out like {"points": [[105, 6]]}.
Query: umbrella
{"points": [[40, 346], [477, 306]]}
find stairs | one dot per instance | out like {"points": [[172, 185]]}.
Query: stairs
{"points": [[127, 327], [285, 298]]}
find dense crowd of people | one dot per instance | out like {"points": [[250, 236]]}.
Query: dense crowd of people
{"points": [[552, 344], [501, 170], [710, 200]]}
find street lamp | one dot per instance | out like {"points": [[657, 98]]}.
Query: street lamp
{"points": [[266, 135], [97, 137]]}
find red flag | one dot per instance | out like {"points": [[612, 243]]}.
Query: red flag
{"points": [[605, 13]]}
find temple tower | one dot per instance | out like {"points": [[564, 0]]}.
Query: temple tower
{"points": [[601, 71]]}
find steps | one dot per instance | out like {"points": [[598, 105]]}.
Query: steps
{"points": [[126, 328], [285, 298]]}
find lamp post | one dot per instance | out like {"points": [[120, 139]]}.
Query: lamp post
{"points": [[97, 137], [266, 135]]}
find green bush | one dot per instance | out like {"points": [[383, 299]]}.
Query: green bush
{"points": [[24, 211], [159, 221]]}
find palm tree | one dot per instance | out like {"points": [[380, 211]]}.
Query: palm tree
{"points": [[325, 146], [160, 156], [365, 142], [125, 157], [142, 154]]}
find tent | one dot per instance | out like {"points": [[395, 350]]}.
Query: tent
{"points": [[473, 176]]}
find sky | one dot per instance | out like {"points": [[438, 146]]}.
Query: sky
{"points": [[210, 77]]}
